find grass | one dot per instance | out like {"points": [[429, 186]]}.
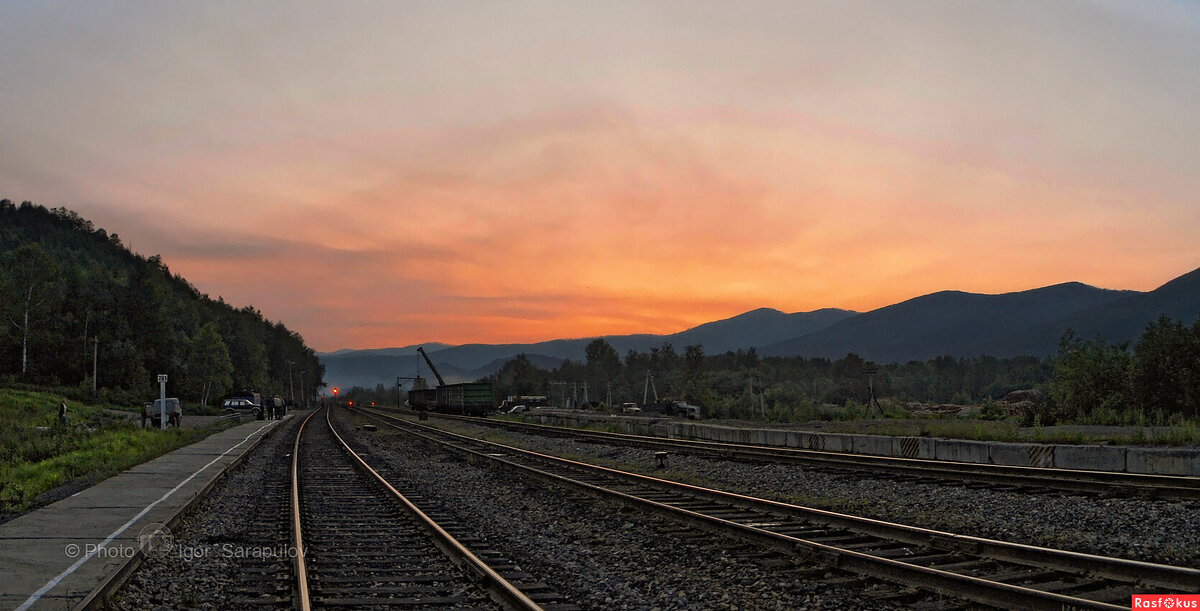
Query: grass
{"points": [[38, 454], [1184, 433]]}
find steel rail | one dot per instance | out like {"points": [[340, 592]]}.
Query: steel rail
{"points": [[1075, 480], [502, 590], [300, 567], [978, 589]]}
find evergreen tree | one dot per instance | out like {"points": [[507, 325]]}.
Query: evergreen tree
{"points": [[209, 369]]}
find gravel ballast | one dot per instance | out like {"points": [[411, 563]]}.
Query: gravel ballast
{"points": [[1161, 531], [232, 546], [603, 556]]}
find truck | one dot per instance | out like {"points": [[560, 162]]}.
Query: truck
{"points": [[153, 412], [684, 410], [680, 409]]}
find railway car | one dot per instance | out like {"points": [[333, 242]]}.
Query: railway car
{"points": [[469, 399]]}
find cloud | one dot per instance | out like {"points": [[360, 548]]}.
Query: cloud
{"points": [[384, 174]]}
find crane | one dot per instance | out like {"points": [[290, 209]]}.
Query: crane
{"points": [[437, 375]]}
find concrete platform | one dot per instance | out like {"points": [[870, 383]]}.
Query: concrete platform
{"points": [[54, 557]]}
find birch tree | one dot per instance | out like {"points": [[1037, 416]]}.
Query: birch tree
{"points": [[27, 273]]}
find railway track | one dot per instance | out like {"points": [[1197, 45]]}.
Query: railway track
{"points": [[982, 570], [364, 544], [1000, 477]]}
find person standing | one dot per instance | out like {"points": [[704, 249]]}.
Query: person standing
{"points": [[62, 412]]}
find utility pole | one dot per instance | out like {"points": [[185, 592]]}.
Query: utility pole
{"points": [[648, 386], [291, 386], [762, 397], [95, 361], [303, 393], [563, 391]]}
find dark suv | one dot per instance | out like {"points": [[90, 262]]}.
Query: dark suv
{"points": [[240, 406]]}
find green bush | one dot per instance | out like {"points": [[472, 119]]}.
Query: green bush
{"points": [[992, 410]]}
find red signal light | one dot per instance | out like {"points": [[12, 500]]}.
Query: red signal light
{"points": [[335, 391]]}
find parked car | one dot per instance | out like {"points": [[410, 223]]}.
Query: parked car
{"points": [[240, 405], [630, 408], [174, 412]]}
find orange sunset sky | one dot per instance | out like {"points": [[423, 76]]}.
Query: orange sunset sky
{"points": [[385, 173]]}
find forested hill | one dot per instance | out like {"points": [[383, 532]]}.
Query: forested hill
{"points": [[68, 287]]}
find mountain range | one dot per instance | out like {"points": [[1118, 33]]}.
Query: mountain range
{"points": [[951, 323]]}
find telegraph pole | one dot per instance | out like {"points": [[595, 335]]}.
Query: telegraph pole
{"points": [[95, 361], [563, 391], [291, 386]]}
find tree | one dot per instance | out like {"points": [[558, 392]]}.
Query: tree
{"points": [[1089, 376], [141, 317], [518, 377], [28, 271], [603, 363], [1166, 368], [696, 387], [208, 363]]}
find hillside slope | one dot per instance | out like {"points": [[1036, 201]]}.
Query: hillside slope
{"points": [[949, 323], [1125, 319], [472, 361], [99, 305]]}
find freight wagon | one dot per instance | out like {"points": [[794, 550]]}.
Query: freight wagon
{"points": [[470, 399]]}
